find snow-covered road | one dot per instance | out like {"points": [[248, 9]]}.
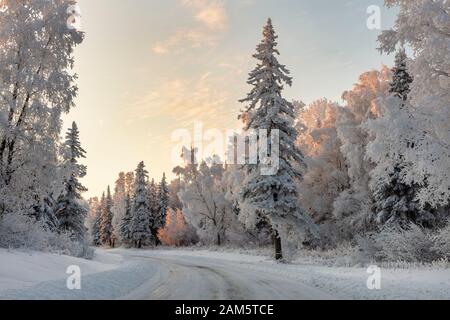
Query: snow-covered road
{"points": [[181, 277], [194, 274]]}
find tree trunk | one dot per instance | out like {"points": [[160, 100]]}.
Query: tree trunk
{"points": [[277, 245], [219, 240]]}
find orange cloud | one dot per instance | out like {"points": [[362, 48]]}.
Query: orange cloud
{"points": [[183, 40], [213, 16], [213, 19]]}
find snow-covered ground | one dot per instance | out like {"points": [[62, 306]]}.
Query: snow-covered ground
{"points": [[203, 274]]}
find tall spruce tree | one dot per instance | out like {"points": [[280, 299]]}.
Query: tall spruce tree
{"points": [[272, 198], [153, 198], [401, 81], [125, 225], [95, 232], [71, 212], [141, 213], [163, 206], [106, 227]]}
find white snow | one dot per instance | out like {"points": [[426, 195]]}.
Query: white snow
{"points": [[204, 274], [20, 269]]}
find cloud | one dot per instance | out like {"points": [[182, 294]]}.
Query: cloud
{"points": [[212, 18], [185, 101], [183, 40]]}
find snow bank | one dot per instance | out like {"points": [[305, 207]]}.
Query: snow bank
{"points": [[19, 270]]}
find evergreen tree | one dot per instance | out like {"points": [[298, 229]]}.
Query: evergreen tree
{"points": [[44, 212], [153, 196], [401, 82], [106, 228], [394, 200], [272, 198], [71, 212], [119, 199], [423, 26], [141, 213], [95, 232], [163, 206], [125, 225]]}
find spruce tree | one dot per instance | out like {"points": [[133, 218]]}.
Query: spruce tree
{"points": [[153, 197], [106, 228], [95, 232], [271, 198], [141, 213], [395, 202], [163, 196], [401, 82], [71, 212], [125, 225]]}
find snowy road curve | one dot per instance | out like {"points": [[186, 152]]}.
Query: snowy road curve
{"points": [[206, 274], [199, 278]]}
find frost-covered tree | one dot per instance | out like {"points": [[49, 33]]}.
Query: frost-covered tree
{"points": [[107, 235], [177, 232], [95, 231], [119, 198], [36, 87], [141, 214], [401, 79], [203, 196], [326, 175], [395, 201], [423, 26], [129, 183], [272, 198], [71, 209], [125, 225], [163, 206], [353, 207], [153, 200]]}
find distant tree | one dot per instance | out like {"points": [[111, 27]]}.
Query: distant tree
{"points": [[119, 196], [177, 232], [129, 183], [95, 232], [326, 175], [203, 196], [153, 198], [163, 205], [401, 80], [106, 228], [353, 207], [141, 213], [125, 225]]}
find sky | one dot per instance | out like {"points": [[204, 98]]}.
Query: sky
{"points": [[148, 68]]}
